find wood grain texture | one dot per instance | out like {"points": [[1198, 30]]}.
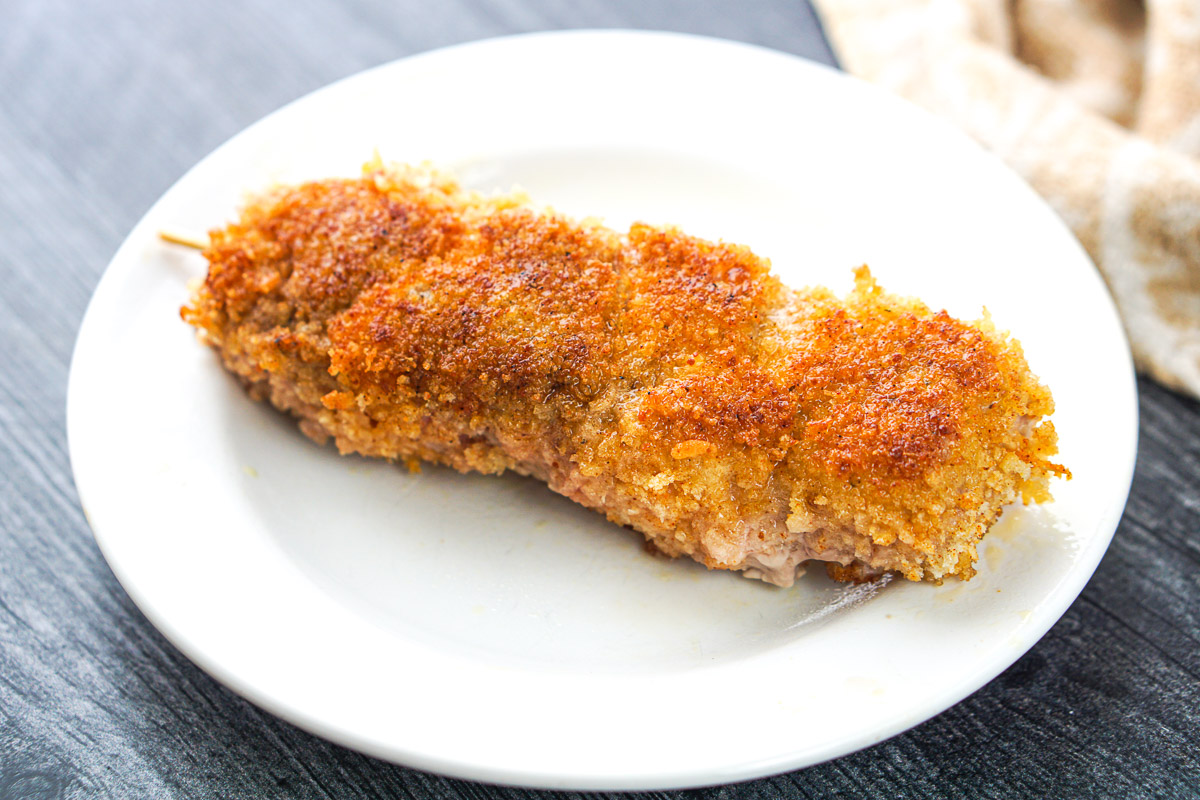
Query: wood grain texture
{"points": [[102, 106]]}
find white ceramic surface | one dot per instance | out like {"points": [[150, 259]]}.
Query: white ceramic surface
{"points": [[487, 628]]}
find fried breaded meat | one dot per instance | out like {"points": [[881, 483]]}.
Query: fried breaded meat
{"points": [[671, 383]]}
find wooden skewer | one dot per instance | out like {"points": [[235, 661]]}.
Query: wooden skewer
{"points": [[185, 239]]}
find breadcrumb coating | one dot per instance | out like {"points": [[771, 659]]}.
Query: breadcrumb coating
{"points": [[669, 382]]}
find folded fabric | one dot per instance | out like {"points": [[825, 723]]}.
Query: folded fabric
{"points": [[1096, 103]]}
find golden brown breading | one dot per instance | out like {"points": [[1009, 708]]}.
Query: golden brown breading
{"points": [[669, 382]]}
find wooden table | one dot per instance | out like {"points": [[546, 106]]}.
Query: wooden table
{"points": [[102, 106]]}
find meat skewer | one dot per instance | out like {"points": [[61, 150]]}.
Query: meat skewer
{"points": [[668, 382]]}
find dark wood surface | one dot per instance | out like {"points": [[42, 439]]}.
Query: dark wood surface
{"points": [[102, 106]]}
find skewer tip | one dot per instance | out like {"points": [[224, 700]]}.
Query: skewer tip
{"points": [[185, 239]]}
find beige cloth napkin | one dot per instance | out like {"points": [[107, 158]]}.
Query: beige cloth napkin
{"points": [[1096, 103]]}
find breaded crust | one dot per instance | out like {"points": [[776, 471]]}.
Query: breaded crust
{"points": [[669, 382]]}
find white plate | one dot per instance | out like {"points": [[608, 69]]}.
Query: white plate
{"points": [[486, 628]]}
